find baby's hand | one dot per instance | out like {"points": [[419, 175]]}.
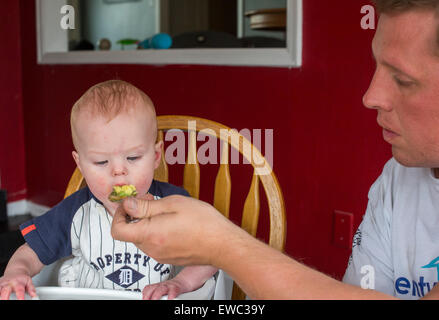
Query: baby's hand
{"points": [[173, 288], [18, 283]]}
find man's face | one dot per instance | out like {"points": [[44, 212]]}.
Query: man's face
{"points": [[405, 86], [119, 152]]}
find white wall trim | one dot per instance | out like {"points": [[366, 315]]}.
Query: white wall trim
{"points": [[36, 209], [17, 208], [21, 207]]}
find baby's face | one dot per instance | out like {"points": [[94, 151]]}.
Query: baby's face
{"points": [[119, 152]]}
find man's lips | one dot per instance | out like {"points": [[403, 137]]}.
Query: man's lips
{"points": [[389, 135]]}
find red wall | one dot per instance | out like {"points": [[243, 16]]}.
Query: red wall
{"points": [[12, 160], [328, 149]]}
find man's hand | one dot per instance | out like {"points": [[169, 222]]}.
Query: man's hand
{"points": [[176, 229]]}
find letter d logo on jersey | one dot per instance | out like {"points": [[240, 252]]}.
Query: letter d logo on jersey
{"points": [[125, 276]]}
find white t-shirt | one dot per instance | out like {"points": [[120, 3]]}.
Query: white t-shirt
{"points": [[396, 247]]}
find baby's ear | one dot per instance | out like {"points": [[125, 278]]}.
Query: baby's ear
{"points": [[76, 158], [158, 153]]}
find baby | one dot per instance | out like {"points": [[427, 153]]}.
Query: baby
{"points": [[114, 131]]}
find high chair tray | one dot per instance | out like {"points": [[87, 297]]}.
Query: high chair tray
{"points": [[63, 293]]}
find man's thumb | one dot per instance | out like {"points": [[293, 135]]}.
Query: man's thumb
{"points": [[137, 207]]}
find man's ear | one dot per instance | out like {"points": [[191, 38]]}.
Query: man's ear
{"points": [[158, 153], [76, 158]]}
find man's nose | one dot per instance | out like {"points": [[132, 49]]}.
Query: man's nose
{"points": [[378, 94]]}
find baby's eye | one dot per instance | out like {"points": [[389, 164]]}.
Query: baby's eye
{"points": [[101, 163], [133, 158]]}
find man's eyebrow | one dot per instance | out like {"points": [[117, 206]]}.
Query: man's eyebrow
{"points": [[392, 67], [395, 69]]}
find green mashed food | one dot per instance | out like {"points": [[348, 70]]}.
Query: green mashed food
{"points": [[121, 192]]}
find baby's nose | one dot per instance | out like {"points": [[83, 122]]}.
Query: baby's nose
{"points": [[119, 171]]}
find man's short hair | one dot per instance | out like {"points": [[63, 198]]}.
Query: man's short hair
{"points": [[395, 6], [399, 6]]}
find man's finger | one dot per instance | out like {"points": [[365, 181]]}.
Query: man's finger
{"points": [[121, 230], [139, 209], [147, 196], [147, 208], [164, 205], [136, 208]]}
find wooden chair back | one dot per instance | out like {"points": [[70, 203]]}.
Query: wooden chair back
{"points": [[262, 172]]}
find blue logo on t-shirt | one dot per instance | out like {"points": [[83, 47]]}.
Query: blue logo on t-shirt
{"points": [[419, 288], [433, 264], [125, 276]]}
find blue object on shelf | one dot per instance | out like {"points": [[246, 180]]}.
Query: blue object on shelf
{"points": [[158, 41]]}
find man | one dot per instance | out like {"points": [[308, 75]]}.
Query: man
{"points": [[395, 248], [399, 233]]}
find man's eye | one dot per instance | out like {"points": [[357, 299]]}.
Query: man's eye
{"points": [[403, 83], [101, 163], [133, 158]]}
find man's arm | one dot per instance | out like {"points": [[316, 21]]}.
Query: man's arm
{"points": [[433, 294], [265, 273], [184, 231]]}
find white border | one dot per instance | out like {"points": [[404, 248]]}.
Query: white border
{"points": [[291, 56]]}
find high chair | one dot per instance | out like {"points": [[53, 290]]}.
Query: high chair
{"points": [[262, 172]]}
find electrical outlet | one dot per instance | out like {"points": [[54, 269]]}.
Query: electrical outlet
{"points": [[343, 229]]}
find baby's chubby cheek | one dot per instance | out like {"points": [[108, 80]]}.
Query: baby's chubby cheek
{"points": [[100, 188], [142, 185]]}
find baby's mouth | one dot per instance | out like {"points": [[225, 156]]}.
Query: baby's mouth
{"points": [[121, 192]]}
